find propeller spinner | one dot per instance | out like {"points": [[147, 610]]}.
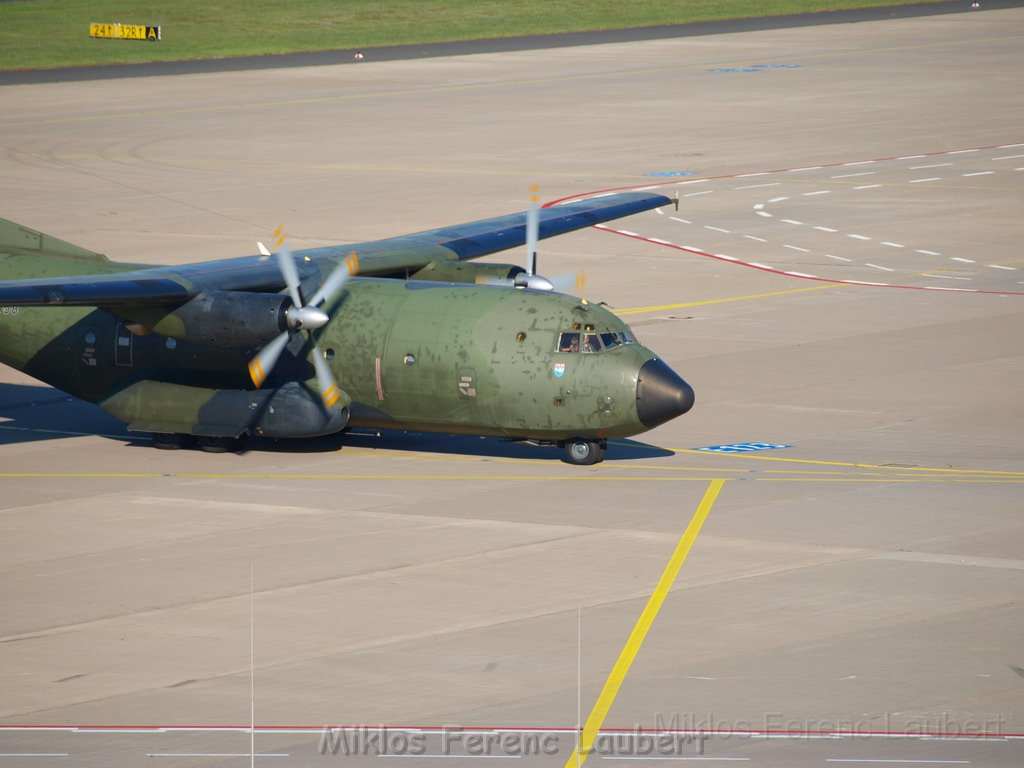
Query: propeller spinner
{"points": [[303, 316]]}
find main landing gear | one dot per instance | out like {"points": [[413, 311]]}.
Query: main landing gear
{"points": [[172, 441], [583, 452]]}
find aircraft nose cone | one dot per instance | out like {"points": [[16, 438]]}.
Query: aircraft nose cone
{"points": [[661, 394]]}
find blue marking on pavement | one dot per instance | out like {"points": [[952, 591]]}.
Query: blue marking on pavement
{"points": [[670, 173], [755, 68], [742, 447]]}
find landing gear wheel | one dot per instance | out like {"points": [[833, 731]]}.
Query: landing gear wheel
{"points": [[583, 452], [169, 441], [212, 444]]}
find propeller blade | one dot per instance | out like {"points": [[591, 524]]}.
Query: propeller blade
{"points": [[286, 264], [573, 283], [329, 390], [532, 230], [265, 360], [337, 279]]}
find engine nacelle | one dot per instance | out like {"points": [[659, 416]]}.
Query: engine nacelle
{"points": [[223, 319], [466, 272], [293, 410]]}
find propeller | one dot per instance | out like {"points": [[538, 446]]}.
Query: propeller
{"points": [[303, 316], [565, 283], [530, 278]]}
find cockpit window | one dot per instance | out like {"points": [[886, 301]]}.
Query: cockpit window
{"points": [[592, 343], [569, 342]]}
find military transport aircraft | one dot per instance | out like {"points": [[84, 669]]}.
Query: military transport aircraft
{"points": [[296, 346]]}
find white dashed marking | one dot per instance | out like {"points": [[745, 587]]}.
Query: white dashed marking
{"points": [[921, 181], [933, 165], [1000, 266], [800, 274], [601, 226], [797, 248], [928, 253], [694, 194], [911, 157], [892, 245], [646, 189], [716, 229], [628, 233], [659, 240], [748, 175], [759, 206], [723, 256], [862, 162], [1009, 146], [758, 265], [809, 168], [764, 213], [837, 258], [793, 221], [820, 192], [941, 277], [851, 175], [961, 151], [861, 282], [758, 186], [693, 181], [681, 221], [778, 199], [859, 237], [868, 186], [878, 266], [978, 173], [1007, 157], [758, 239], [826, 229], [603, 194], [965, 261]]}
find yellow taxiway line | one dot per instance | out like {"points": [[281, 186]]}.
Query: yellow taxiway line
{"points": [[636, 638], [856, 465], [662, 307]]}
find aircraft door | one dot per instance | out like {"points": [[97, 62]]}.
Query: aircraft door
{"points": [[123, 340]]}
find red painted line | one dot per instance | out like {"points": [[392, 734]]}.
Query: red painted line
{"points": [[783, 273], [529, 729], [807, 277]]}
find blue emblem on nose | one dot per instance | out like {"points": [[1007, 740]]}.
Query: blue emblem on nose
{"points": [[558, 369]]}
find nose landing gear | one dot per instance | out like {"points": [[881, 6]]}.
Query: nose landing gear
{"points": [[583, 452]]}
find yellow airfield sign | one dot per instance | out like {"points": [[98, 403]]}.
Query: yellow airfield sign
{"points": [[118, 31]]}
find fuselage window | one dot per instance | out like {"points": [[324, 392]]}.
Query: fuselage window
{"points": [[611, 340], [569, 342], [591, 343]]}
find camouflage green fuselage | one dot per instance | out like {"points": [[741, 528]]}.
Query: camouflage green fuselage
{"points": [[410, 355]]}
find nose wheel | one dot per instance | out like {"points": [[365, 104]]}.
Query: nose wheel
{"points": [[583, 452]]}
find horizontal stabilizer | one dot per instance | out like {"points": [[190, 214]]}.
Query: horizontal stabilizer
{"points": [[15, 238]]}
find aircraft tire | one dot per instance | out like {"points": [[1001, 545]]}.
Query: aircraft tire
{"points": [[216, 444], [584, 452], [169, 441]]}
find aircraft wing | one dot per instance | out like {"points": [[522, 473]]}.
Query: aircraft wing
{"points": [[168, 286]]}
